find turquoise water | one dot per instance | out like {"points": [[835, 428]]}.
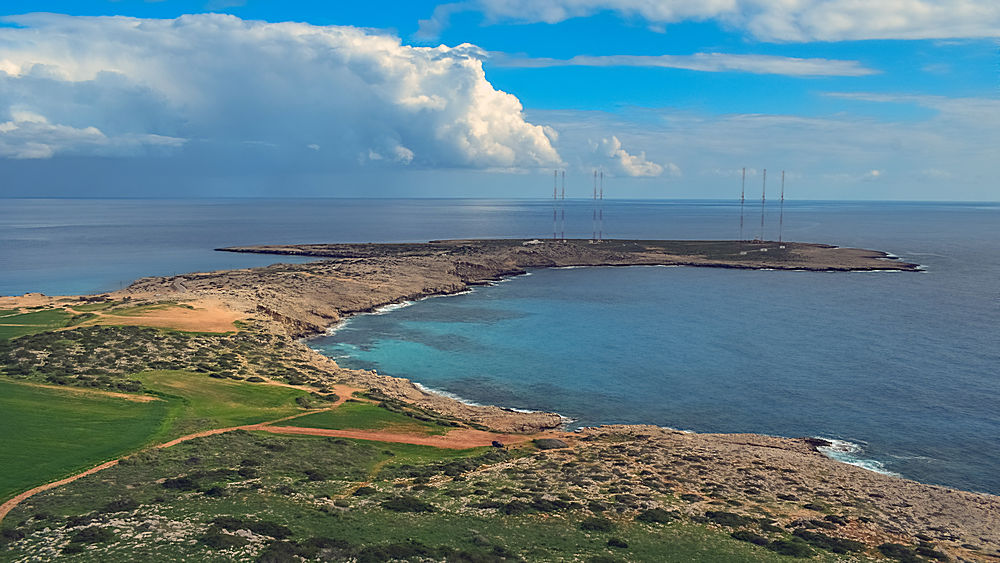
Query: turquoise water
{"points": [[900, 368]]}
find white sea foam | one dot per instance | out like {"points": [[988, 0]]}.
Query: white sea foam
{"points": [[390, 308], [330, 331], [849, 452], [426, 389], [453, 396]]}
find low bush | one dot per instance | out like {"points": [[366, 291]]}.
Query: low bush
{"points": [[792, 548], [751, 537], [407, 504], [657, 516], [596, 524]]}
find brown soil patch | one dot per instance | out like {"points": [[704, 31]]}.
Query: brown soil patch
{"points": [[205, 317], [26, 300], [456, 439], [84, 391]]}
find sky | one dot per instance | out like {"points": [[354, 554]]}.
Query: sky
{"points": [[853, 100]]}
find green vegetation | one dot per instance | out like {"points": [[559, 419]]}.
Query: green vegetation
{"points": [[49, 433], [252, 496], [15, 325], [107, 356], [198, 402], [357, 415]]}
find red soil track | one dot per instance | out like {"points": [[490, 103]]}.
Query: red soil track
{"points": [[462, 438]]}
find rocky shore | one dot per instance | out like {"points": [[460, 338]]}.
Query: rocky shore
{"points": [[786, 481]]}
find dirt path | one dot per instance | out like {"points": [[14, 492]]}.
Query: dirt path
{"points": [[456, 439], [10, 504]]}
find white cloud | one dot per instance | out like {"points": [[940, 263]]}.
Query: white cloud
{"points": [[769, 20], [225, 84], [29, 135], [706, 62], [610, 151], [827, 157]]}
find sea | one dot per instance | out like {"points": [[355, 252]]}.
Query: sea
{"points": [[899, 370]]}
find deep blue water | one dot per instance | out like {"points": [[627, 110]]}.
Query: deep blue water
{"points": [[904, 365]]}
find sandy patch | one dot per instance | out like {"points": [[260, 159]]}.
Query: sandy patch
{"points": [[456, 439], [205, 316]]}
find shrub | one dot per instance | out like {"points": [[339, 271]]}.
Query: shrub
{"points": [[823, 541], [617, 542], [180, 484], [216, 539], [792, 548], [263, 528], [656, 516], [596, 524], [729, 519], [407, 504], [93, 534], [751, 537], [899, 552], [120, 505]]}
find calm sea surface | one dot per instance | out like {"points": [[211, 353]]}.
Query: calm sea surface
{"points": [[902, 368]]}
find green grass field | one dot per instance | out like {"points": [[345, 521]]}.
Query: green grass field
{"points": [[199, 402], [50, 433], [355, 415], [12, 326]]}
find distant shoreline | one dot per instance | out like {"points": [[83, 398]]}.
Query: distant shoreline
{"points": [[754, 255]]}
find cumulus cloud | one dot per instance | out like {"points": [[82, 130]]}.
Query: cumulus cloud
{"points": [[106, 85], [827, 156], [610, 151], [29, 135], [769, 20], [706, 62]]}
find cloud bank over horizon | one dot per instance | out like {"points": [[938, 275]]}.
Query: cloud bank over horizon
{"points": [[765, 20], [121, 86]]}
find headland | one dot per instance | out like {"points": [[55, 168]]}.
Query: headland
{"points": [[782, 493]]}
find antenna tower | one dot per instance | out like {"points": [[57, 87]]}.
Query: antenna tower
{"points": [[762, 192], [555, 201], [781, 215], [593, 236], [743, 189], [600, 212], [562, 210]]}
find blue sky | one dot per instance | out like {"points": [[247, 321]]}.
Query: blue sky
{"points": [[670, 100]]}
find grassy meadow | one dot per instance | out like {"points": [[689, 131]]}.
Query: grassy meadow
{"points": [[13, 324], [357, 415], [198, 402], [49, 433]]}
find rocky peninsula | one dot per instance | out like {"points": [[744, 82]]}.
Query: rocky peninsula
{"points": [[763, 487]]}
